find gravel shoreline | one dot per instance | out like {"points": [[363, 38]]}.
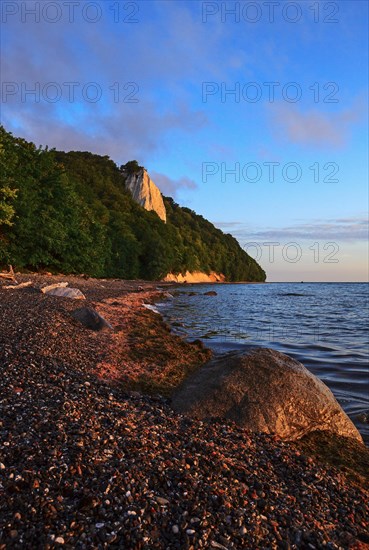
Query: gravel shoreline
{"points": [[86, 463]]}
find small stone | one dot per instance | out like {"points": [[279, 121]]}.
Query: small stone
{"points": [[162, 501], [13, 533], [195, 520], [2, 466], [215, 544], [175, 529], [243, 531], [59, 540], [363, 537], [190, 532]]}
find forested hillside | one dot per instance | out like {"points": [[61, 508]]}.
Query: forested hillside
{"points": [[70, 213]]}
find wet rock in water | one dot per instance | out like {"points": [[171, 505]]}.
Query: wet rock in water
{"points": [[292, 294], [64, 292], [91, 319], [264, 391], [363, 417], [210, 293], [198, 343]]}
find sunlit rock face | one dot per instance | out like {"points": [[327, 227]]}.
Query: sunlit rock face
{"points": [[195, 277], [146, 193], [263, 391]]}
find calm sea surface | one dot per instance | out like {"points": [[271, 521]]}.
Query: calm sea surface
{"points": [[323, 325]]}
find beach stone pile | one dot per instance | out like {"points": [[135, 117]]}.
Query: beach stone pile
{"points": [[85, 464]]}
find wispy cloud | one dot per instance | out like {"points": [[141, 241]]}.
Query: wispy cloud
{"points": [[107, 54], [125, 133], [341, 229], [313, 127], [228, 225], [169, 186]]}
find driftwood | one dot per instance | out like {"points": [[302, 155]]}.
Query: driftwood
{"points": [[9, 276], [21, 285], [46, 289]]}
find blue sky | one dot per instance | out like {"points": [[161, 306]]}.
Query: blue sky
{"points": [[153, 80]]}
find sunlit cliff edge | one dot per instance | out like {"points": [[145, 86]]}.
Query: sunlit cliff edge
{"points": [[145, 192]]}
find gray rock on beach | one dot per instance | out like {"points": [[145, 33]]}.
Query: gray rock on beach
{"points": [[91, 319], [263, 391]]}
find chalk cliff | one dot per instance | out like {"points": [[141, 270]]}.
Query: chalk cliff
{"points": [[195, 277], [145, 192]]}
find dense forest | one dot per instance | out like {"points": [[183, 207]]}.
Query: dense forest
{"points": [[71, 213]]}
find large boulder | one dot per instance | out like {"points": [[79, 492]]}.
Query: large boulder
{"points": [[263, 391], [91, 319]]}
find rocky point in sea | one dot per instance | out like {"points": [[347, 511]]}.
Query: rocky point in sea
{"points": [[89, 462]]}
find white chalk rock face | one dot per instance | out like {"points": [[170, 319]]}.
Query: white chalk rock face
{"points": [[146, 193]]}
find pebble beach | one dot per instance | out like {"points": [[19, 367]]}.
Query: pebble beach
{"points": [[93, 456]]}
